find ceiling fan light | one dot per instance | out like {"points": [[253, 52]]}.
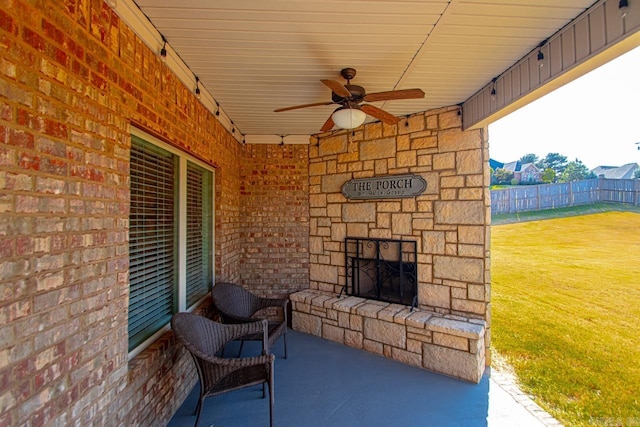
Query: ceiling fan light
{"points": [[348, 118]]}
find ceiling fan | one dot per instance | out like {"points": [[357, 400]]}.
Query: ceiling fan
{"points": [[351, 114]]}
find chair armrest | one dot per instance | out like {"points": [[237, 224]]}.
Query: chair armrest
{"points": [[241, 361], [273, 302], [231, 319], [239, 330]]}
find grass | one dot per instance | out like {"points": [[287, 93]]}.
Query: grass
{"points": [[566, 304], [498, 219]]}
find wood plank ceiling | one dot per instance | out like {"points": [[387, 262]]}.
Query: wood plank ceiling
{"points": [[254, 56]]}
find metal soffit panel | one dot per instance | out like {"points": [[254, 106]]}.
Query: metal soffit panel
{"points": [[253, 56]]}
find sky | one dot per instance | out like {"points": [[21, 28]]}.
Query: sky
{"points": [[595, 119]]}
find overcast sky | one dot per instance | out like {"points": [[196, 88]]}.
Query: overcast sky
{"points": [[595, 118]]}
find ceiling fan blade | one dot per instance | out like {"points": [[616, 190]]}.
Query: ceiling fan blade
{"points": [[337, 88], [302, 106], [394, 94], [380, 114], [328, 125]]}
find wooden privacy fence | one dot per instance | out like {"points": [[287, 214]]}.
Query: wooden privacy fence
{"points": [[550, 196]]}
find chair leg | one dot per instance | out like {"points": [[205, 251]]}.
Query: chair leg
{"points": [[263, 393], [241, 344], [199, 410], [271, 400], [285, 345]]}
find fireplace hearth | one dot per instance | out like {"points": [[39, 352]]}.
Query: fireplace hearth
{"points": [[381, 269]]}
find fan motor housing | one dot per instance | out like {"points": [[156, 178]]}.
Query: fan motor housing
{"points": [[357, 93]]}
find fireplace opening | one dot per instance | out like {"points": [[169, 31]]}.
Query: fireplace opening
{"points": [[381, 269]]}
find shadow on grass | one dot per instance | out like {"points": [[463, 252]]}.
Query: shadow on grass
{"points": [[499, 219]]}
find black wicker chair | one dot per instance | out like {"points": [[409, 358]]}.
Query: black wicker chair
{"points": [[234, 304], [204, 339]]}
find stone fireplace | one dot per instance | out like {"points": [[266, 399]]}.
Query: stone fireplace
{"points": [[381, 269], [447, 329]]}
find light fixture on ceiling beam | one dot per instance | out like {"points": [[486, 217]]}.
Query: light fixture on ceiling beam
{"points": [[623, 6], [348, 117], [493, 88], [540, 54], [163, 50]]}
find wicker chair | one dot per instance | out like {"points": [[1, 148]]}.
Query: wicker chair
{"points": [[204, 338], [234, 304]]}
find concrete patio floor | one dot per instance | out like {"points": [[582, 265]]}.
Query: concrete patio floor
{"points": [[323, 383]]}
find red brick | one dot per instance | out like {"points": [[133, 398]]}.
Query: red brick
{"points": [[29, 161], [34, 39], [54, 166], [52, 32], [52, 128], [50, 146], [7, 247], [7, 23], [58, 55], [20, 138], [6, 113], [80, 69]]}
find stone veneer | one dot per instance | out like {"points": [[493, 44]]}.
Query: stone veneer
{"points": [[450, 345], [449, 221]]}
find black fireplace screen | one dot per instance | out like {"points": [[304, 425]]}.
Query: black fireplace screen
{"points": [[381, 269]]}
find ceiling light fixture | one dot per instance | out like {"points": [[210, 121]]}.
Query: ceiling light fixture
{"points": [[623, 6], [348, 117]]}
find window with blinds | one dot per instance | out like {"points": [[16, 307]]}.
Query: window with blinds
{"points": [[199, 254], [152, 240], [169, 193]]}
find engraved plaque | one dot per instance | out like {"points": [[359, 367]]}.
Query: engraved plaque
{"points": [[386, 187]]}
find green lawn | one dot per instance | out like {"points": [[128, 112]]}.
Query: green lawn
{"points": [[566, 313]]}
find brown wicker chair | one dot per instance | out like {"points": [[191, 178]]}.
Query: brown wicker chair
{"points": [[204, 338], [234, 304]]}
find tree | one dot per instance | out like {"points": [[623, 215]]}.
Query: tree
{"points": [[549, 175], [503, 176], [555, 161], [529, 158], [636, 173], [575, 171]]}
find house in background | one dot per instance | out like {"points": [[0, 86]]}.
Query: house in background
{"points": [[524, 172], [617, 172], [494, 164]]}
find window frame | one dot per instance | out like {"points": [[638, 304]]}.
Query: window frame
{"points": [[183, 158]]}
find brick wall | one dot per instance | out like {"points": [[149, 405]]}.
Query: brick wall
{"points": [[275, 200], [449, 221], [73, 79]]}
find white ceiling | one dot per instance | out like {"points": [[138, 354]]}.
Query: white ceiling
{"points": [[254, 56]]}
